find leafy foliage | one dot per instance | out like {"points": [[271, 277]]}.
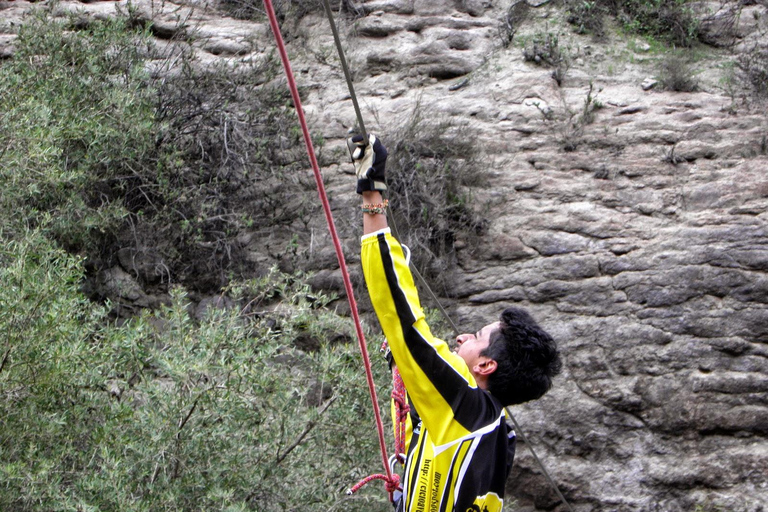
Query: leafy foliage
{"points": [[544, 49], [76, 125], [182, 160], [237, 162], [587, 17], [163, 413]]}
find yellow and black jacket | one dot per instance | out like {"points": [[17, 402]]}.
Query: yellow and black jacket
{"points": [[459, 447]]}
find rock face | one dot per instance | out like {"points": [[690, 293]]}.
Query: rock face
{"points": [[637, 235]]}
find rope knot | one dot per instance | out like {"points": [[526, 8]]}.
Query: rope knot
{"points": [[402, 404], [392, 484]]}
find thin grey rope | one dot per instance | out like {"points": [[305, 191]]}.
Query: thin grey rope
{"points": [[423, 281], [347, 75], [538, 461], [351, 88]]}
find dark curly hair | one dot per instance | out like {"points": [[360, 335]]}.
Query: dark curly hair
{"points": [[526, 356]]}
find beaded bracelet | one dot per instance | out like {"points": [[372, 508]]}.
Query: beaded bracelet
{"points": [[375, 208]]}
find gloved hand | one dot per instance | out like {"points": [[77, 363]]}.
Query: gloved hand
{"points": [[369, 160]]}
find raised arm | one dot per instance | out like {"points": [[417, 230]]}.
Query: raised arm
{"points": [[439, 383]]}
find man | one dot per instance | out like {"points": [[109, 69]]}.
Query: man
{"points": [[459, 446]]}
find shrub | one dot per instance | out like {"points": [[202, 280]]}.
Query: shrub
{"points": [[752, 70], [76, 126], [676, 73], [284, 9], [587, 17], [182, 161], [160, 412], [590, 106], [568, 123], [165, 414], [431, 166], [238, 161], [671, 21], [544, 49]]}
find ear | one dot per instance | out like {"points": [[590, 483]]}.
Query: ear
{"points": [[486, 367]]}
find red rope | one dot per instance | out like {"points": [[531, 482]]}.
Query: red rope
{"points": [[392, 483], [392, 480]]}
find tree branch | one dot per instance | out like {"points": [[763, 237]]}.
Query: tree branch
{"points": [[185, 419], [5, 359], [307, 430]]}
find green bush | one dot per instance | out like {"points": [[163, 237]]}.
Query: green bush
{"points": [[544, 49], [46, 328], [165, 414], [587, 17], [671, 21], [182, 161], [76, 125], [161, 412]]}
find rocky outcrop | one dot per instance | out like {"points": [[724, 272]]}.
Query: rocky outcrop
{"points": [[631, 221]]}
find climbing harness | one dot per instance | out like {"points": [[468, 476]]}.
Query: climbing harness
{"points": [[391, 479]]}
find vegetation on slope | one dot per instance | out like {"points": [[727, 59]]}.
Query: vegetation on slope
{"points": [[672, 21], [163, 413], [159, 412], [100, 154]]}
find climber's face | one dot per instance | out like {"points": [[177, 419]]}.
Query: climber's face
{"points": [[470, 348]]}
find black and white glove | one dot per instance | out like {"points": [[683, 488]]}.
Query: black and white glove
{"points": [[369, 160]]}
